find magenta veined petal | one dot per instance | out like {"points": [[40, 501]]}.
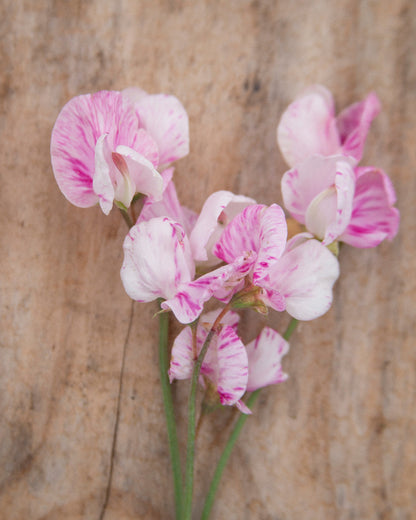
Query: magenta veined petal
{"points": [[217, 212], [78, 127], [166, 120], [373, 216], [308, 127], [305, 275], [353, 124], [258, 229], [265, 355], [157, 260], [182, 357]]}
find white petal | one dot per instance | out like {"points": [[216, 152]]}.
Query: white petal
{"points": [[264, 359], [182, 357], [305, 277]]}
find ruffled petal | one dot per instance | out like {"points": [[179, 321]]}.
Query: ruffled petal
{"points": [[77, 129], [305, 182], [232, 367], [305, 276], [258, 229], [157, 260], [308, 127], [166, 120], [141, 172], [105, 175], [373, 217], [182, 357], [217, 212], [353, 124], [265, 355]]}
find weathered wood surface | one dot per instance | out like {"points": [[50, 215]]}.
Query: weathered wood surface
{"points": [[81, 431]]}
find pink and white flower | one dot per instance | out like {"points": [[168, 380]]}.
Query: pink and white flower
{"points": [[309, 126], [105, 148], [297, 277], [229, 367], [336, 202]]}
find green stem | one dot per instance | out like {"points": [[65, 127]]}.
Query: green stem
{"points": [[169, 413], [127, 218], [209, 501], [190, 452]]}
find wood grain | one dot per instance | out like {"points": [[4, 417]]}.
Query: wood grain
{"points": [[82, 430]]}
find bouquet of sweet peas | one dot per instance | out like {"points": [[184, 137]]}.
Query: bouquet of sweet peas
{"points": [[116, 149]]}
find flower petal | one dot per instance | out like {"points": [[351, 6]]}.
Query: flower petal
{"points": [[217, 212], [182, 357], [157, 260], [264, 359], [353, 124], [77, 129], [104, 175], [258, 229], [373, 218], [232, 367], [144, 177], [308, 127], [305, 276], [166, 120]]}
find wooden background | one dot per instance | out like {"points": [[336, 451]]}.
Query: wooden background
{"points": [[81, 430]]}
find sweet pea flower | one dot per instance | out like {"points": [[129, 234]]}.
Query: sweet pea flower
{"points": [[106, 146], [229, 367], [158, 263], [309, 126], [336, 202], [297, 276]]}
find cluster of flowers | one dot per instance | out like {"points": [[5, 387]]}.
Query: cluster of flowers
{"points": [[109, 147]]}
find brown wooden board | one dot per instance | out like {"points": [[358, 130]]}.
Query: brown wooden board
{"points": [[82, 429]]}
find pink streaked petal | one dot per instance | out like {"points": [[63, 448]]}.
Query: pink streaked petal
{"points": [[297, 240], [77, 129], [308, 127], [145, 178], [243, 407], [182, 357], [373, 217], [353, 124], [166, 120], [271, 296], [105, 174], [302, 184], [157, 260], [207, 319], [188, 302], [146, 146], [258, 229], [305, 277], [330, 211], [232, 367], [265, 355], [218, 210], [273, 236]]}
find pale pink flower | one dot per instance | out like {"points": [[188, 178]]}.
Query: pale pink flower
{"points": [[105, 148], [297, 277], [335, 202], [309, 126], [229, 367]]}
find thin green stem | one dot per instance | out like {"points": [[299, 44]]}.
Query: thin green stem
{"points": [[169, 413], [127, 219], [190, 451], [209, 501]]}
